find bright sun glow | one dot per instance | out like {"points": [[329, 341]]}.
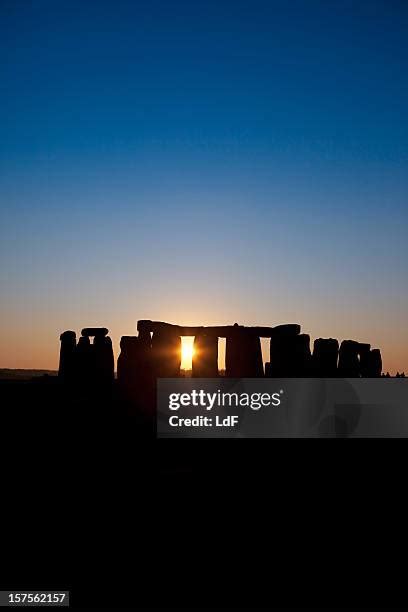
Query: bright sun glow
{"points": [[187, 352]]}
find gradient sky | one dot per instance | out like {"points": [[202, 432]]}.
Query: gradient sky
{"points": [[203, 163]]}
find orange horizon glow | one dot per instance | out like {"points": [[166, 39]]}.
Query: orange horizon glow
{"points": [[35, 345]]}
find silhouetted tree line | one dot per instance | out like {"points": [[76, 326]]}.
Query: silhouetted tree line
{"points": [[398, 375]]}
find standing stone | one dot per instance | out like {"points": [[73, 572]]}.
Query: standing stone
{"points": [[134, 361], [285, 351], [103, 360], [375, 363], [205, 357], [166, 354], [128, 360], [364, 356], [84, 362], [144, 338], [66, 369], [135, 376], [255, 364], [349, 363], [243, 355], [301, 356], [325, 356]]}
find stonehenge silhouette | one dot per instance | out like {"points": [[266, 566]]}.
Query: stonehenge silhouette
{"points": [[156, 353]]}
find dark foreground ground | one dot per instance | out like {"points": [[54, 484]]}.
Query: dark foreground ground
{"points": [[94, 503]]}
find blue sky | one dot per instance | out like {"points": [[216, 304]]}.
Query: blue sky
{"points": [[203, 162]]}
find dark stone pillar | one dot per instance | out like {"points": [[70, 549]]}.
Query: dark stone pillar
{"points": [[205, 357], [255, 365], [166, 354], [127, 361], [144, 339], [84, 362], [95, 362], [134, 361], [301, 356], [364, 355], [135, 375], [349, 363], [243, 356], [286, 351], [234, 357], [103, 360], [325, 356], [66, 370], [375, 363]]}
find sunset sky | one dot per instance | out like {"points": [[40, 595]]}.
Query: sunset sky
{"points": [[203, 162]]}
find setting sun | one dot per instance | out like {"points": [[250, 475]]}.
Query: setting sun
{"points": [[187, 352]]}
